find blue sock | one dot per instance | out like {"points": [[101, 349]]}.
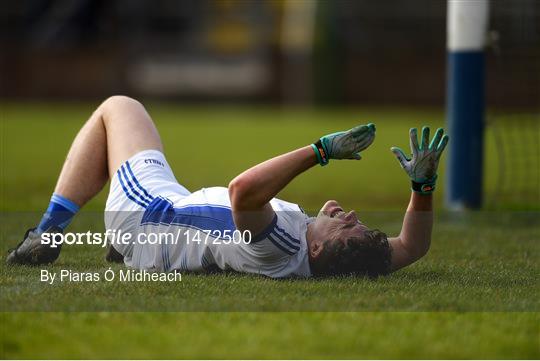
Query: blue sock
{"points": [[59, 213]]}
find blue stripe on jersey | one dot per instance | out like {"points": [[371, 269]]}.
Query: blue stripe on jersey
{"points": [[288, 236], [279, 245], [295, 246], [128, 194], [132, 187], [206, 218], [265, 232], [137, 182]]}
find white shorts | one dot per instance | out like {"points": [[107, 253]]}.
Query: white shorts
{"points": [[137, 182]]}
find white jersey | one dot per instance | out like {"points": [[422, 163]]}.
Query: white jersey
{"points": [[175, 230]]}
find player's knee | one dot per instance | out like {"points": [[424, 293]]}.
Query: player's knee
{"points": [[120, 101], [118, 107]]}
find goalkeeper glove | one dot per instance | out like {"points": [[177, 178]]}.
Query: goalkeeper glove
{"points": [[422, 166], [344, 145]]}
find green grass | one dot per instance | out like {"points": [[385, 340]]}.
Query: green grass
{"points": [[474, 295]]}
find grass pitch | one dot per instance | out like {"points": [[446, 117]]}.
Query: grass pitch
{"points": [[474, 296]]}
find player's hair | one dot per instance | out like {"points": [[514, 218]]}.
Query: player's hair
{"points": [[360, 256]]}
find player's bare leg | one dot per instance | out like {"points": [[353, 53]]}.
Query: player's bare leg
{"points": [[119, 128]]}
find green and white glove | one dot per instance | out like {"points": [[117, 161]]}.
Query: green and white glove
{"points": [[422, 167], [344, 145]]}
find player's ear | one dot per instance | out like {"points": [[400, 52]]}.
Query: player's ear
{"points": [[316, 249]]}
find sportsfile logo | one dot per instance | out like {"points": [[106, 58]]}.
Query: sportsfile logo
{"points": [[117, 236], [154, 161]]}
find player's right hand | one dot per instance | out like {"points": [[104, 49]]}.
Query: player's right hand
{"points": [[344, 145], [422, 165]]}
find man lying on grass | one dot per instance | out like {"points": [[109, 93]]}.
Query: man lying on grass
{"points": [[121, 143]]}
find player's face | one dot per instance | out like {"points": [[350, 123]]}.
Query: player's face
{"points": [[334, 224]]}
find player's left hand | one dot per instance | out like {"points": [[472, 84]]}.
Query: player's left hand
{"points": [[422, 166], [344, 145]]}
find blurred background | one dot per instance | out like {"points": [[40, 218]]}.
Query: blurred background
{"points": [[276, 51], [387, 55]]}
